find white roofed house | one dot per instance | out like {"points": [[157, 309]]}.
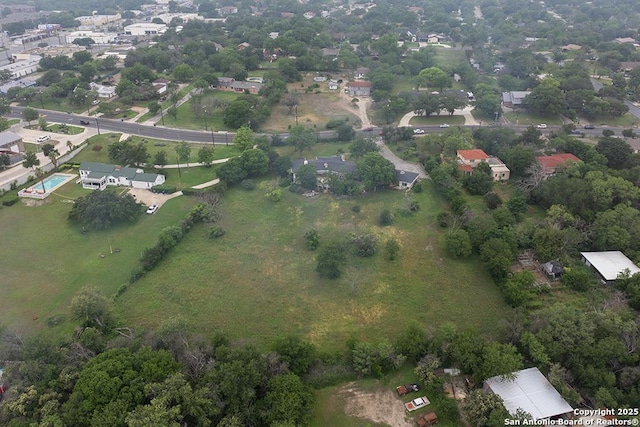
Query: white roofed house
{"points": [[98, 176], [528, 390]]}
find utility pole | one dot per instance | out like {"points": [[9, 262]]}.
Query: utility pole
{"points": [[97, 126], [296, 114]]}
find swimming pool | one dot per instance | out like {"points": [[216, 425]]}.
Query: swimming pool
{"points": [[50, 183]]}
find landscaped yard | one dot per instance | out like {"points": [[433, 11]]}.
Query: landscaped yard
{"points": [[258, 282], [187, 119]]}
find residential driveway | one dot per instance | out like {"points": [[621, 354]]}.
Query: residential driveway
{"points": [[398, 162], [149, 198]]}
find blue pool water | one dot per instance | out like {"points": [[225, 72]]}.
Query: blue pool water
{"points": [[50, 183]]}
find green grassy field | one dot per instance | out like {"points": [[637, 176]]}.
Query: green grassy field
{"points": [[153, 146], [50, 260], [186, 118], [258, 281], [436, 120]]}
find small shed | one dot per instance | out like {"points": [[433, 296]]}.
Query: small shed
{"points": [[609, 264], [553, 270]]}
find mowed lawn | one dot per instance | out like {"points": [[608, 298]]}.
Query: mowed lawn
{"points": [[258, 281], [46, 260]]}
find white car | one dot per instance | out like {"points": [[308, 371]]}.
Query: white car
{"points": [[542, 126], [95, 102], [444, 125], [418, 131], [43, 138], [152, 209]]}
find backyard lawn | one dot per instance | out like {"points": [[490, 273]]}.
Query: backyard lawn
{"points": [[51, 260], [258, 282]]}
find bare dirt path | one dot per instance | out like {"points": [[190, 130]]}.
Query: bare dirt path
{"points": [[380, 406], [362, 105]]}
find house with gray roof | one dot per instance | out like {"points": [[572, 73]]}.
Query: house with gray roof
{"points": [[514, 98], [98, 176], [406, 179], [335, 165]]}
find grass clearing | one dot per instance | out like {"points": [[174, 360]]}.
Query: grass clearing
{"points": [[153, 146], [51, 260], [70, 130], [447, 58], [187, 119], [258, 282]]}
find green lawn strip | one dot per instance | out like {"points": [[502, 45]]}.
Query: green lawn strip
{"points": [[153, 146], [56, 104], [320, 149], [187, 119], [188, 177], [12, 122], [436, 120], [71, 130], [259, 281], [627, 120], [447, 58], [50, 259], [524, 118]]}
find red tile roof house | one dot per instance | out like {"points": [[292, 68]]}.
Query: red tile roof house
{"points": [[551, 164], [470, 159], [359, 88]]}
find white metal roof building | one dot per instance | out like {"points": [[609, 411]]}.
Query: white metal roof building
{"points": [[529, 391], [609, 264]]}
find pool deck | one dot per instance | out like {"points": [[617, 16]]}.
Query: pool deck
{"points": [[36, 191]]}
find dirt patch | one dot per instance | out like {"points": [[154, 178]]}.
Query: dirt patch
{"points": [[381, 406], [315, 108], [34, 202]]}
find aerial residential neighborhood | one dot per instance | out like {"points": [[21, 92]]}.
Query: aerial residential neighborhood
{"points": [[320, 213]]}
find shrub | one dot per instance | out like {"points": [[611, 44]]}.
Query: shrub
{"points": [[577, 279], [330, 259], [458, 243], [385, 218], [312, 239], [13, 185], [10, 201], [216, 232], [365, 245], [248, 184], [355, 208], [164, 189], [444, 219], [136, 274], [492, 200], [391, 249], [96, 147], [417, 187]]}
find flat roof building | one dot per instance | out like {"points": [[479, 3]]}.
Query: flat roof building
{"points": [[529, 391], [609, 264]]}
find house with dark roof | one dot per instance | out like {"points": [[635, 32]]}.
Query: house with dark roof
{"points": [[11, 141], [334, 165], [406, 179], [514, 98], [553, 270], [98, 176], [359, 88]]}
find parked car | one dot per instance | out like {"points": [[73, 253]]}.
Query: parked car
{"points": [[407, 388], [589, 127], [417, 403], [444, 125], [418, 131], [152, 209], [43, 138], [95, 102], [428, 419], [542, 126], [85, 122]]}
